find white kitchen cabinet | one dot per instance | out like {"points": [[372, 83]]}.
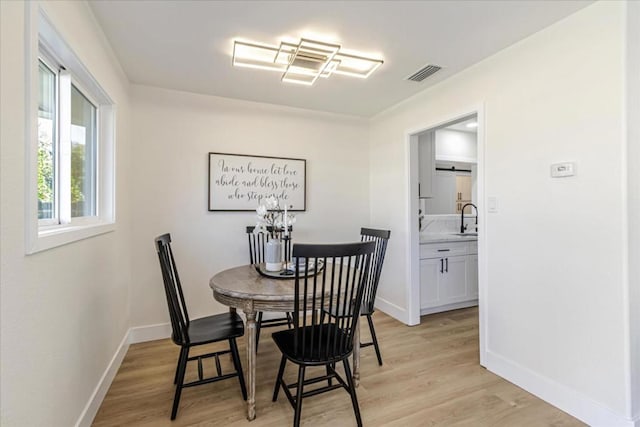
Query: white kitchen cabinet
{"points": [[456, 146], [448, 276], [427, 164], [429, 274], [453, 286], [472, 275]]}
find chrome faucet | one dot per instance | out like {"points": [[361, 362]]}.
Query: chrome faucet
{"points": [[462, 226]]}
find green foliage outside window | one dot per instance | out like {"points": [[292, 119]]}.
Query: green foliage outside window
{"points": [[45, 175], [77, 172]]}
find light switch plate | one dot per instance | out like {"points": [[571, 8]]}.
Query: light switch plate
{"points": [[563, 170], [492, 204]]}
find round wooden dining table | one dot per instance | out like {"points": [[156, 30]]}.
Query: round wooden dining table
{"points": [[245, 289]]}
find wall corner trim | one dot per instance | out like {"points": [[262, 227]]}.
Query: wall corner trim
{"points": [[566, 399], [132, 336], [146, 333], [91, 409], [392, 310]]}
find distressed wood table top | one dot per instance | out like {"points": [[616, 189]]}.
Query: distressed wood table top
{"points": [[237, 286], [246, 282]]}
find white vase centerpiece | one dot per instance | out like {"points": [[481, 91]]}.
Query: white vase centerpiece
{"points": [[273, 254], [274, 223]]}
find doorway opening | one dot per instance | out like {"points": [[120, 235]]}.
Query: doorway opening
{"points": [[447, 233]]}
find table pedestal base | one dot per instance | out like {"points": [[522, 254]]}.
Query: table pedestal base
{"points": [[251, 358]]}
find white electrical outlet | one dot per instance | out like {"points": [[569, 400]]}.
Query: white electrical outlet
{"points": [[563, 170]]}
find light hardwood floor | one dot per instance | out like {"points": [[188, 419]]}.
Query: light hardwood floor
{"points": [[431, 377]]}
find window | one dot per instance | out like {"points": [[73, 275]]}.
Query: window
{"points": [[70, 145], [67, 147], [47, 152], [83, 158]]}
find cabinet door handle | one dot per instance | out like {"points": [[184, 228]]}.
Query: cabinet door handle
{"points": [[444, 250], [419, 192], [441, 265], [446, 269]]}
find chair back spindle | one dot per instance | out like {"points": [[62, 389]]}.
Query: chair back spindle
{"points": [[338, 288], [381, 238], [173, 291]]}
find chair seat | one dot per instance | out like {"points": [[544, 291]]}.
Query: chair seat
{"points": [[365, 310], [323, 349], [215, 328]]}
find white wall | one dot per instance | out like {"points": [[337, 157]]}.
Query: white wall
{"points": [[64, 311], [633, 182], [456, 146], [555, 295], [174, 131]]}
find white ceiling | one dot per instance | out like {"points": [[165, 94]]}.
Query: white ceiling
{"points": [[187, 45], [462, 125]]}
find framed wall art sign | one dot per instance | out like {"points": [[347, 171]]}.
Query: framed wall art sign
{"points": [[238, 182]]}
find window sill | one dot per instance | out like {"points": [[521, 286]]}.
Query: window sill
{"points": [[52, 237]]}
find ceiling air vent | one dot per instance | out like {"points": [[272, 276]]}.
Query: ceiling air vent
{"points": [[424, 72]]}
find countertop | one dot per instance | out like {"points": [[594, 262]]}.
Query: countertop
{"points": [[445, 237]]}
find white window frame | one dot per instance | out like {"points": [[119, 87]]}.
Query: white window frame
{"points": [[53, 66], [40, 235]]}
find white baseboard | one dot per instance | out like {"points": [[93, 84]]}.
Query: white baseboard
{"points": [[91, 409], [392, 310], [448, 307], [158, 331], [558, 395], [133, 335]]}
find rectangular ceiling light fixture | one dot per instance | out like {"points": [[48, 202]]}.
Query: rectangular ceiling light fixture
{"points": [[304, 62]]}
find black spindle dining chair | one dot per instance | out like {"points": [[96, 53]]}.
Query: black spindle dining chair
{"points": [[188, 333], [256, 256], [319, 339], [381, 238]]}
